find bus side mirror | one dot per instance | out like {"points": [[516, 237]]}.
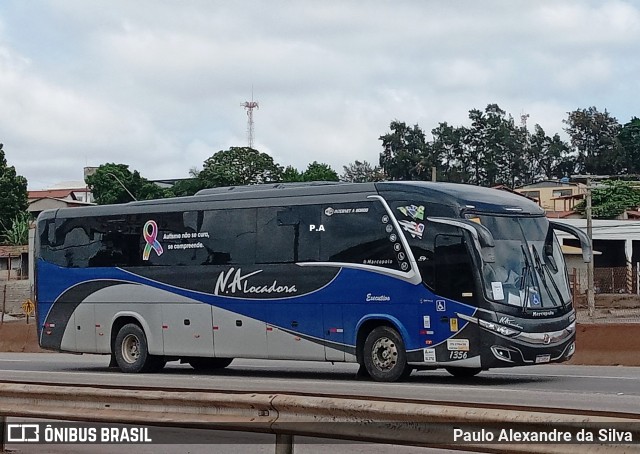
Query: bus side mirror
{"points": [[585, 244], [482, 237]]}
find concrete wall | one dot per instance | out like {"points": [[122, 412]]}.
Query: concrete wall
{"points": [[17, 292]]}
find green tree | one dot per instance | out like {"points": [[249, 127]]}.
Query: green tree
{"points": [[629, 140], [115, 183], [611, 199], [448, 145], [494, 147], [186, 187], [361, 172], [405, 154], [18, 233], [319, 172], [593, 138], [291, 175], [239, 166], [13, 193], [477, 157], [547, 157]]}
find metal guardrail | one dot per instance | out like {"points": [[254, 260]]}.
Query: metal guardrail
{"points": [[288, 415]]}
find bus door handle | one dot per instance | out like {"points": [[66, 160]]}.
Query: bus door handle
{"points": [[294, 324], [444, 319]]}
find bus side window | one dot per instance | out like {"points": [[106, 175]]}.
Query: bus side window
{"points": [[278, 230], [113, 243], [361, 233], [453, 267], [232, 236]]}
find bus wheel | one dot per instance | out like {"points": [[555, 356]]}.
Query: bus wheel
{"points": [[209, 364], [132, 354], [464, 372], [384, 355]]}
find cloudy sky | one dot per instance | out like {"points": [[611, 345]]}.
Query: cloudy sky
{"points": [[158, 84]]}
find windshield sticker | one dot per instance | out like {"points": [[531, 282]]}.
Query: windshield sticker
{"points": [[150, 234], [514, 300], [426, 321], [498, 293], [441, 305], [535, 298], [414, 229], [415, 212], [453, 325]]}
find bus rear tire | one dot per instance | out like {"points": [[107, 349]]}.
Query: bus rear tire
{"points": [[384, 355], [464, 372], [209, 364], [132, 352]]}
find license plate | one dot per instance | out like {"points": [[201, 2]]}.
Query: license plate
{"points": [[543, 359]]}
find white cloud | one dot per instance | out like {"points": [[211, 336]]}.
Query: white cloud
{"points": [[158, 85]]}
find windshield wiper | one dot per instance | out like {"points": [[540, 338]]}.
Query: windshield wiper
{"points": [[526, 271], [543, 269]]}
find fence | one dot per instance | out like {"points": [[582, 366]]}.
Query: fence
{"points": [[606, 280]]}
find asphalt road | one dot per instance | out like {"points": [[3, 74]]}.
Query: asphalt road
{"points": [[612, 388]]}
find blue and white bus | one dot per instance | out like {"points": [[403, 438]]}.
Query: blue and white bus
{"points": [[395, 276]]}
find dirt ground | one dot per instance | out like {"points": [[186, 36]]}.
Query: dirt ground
{"points": [[17, 336], [607, 344], [610, 344]]}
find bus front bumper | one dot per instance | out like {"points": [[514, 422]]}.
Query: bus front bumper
{"points": [[530, 349]]}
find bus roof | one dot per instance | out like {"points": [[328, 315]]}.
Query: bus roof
{"points": [[458, 196], [466, 196]]}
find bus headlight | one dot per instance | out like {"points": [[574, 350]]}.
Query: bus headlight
{"points": [[500, 329]]}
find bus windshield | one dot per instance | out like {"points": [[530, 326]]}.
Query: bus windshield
{"points": [[529, 270]]}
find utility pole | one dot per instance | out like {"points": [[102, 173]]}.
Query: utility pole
{"points": [[591, 302]]}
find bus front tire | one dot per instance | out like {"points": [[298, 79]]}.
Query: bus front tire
{"points": [[464, 372], [384, 355], [132, 352], [209, 364]]}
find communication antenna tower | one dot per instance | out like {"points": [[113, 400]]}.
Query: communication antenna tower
{"points": [[523, 119], [249, 106]]}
